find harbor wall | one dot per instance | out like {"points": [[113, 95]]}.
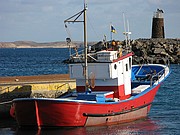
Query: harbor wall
{"points": [[158, 51], [47, 86], [47, 89], [149, 50]]}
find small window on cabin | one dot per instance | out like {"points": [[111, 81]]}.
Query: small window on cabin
{"points": [[126, 67], [130, 63], [115, 66]]}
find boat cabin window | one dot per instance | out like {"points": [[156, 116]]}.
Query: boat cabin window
{"points": [[126, 67], [115, 66], [130, 63]]}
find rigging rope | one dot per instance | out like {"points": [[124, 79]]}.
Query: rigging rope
{"points": [[93, 28], [68, 31]]}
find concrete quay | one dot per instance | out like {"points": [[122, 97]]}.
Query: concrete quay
{"points": [[36, 84], [44, 86]]}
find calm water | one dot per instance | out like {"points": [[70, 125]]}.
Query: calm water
{"points": [[163, 119], [22, 62]]}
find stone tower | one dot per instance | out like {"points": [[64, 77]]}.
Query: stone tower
{"points": [[158, 25]]}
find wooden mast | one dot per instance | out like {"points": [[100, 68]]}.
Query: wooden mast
{"points": [[85, 48], [73, 19]]}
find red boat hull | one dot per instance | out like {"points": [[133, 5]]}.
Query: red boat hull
{"points": [[42, 113]]}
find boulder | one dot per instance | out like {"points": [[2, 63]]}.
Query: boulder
{"points": [[157, 50]]}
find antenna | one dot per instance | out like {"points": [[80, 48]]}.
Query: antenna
{"points": [[126, 33]]}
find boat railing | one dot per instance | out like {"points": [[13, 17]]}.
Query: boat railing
{"points": [[80, 55], [92, 57], [78, 52], [157, 76], [139, 69]]}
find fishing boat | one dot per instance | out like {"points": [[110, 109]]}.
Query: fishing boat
{"points": [[109, 90]]}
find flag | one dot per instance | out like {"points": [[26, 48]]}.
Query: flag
{"points": [[113, 29]]}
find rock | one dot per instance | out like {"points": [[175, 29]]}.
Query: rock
{"points": [[157, 50], [157, 45], [178, 52]]}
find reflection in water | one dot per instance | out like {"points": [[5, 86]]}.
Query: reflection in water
{"points": [[145, 126]]}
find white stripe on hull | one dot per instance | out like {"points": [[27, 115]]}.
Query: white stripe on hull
{"points": [[126, 117]]}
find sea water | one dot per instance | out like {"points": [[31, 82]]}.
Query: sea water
{"points": [[26, 62], [163, 119]]}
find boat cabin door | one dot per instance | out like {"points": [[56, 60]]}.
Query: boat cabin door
{"points": [[127, 64]]}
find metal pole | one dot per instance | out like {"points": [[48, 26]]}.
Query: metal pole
{"points": [[85, 48], [125, 33]]}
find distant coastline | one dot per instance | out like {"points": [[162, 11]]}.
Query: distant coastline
{"points": [[31, 44]]}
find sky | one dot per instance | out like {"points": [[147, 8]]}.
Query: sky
{"points": [[43, 20]]}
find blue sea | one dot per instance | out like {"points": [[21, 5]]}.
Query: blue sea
{"points": [[26, 62], [163, 119]]}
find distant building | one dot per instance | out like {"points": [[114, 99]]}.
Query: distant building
{"points": [[158, 24]]}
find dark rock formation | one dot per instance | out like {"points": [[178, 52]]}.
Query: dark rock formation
{"points": [[156, 50]]}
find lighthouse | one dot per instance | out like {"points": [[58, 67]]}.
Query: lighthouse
{"points": [[158, 24]]}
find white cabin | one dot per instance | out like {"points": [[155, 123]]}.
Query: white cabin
{"points": [[109, 72]]}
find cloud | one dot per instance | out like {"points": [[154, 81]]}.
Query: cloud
{"points": [[46, 17]]}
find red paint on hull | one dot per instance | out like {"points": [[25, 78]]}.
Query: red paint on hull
{"points": [[55, 113]]}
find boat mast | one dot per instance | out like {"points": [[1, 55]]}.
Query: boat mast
{"points": [[85, 47], [73, 19]]}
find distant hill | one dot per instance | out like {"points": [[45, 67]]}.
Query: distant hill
{"points": [[31, 44]]}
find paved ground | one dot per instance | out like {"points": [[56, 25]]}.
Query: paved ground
{"points": [[30, 79]]}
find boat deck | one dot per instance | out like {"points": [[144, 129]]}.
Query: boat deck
{"points": [[140, 89]]}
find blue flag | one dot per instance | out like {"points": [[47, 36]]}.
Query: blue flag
{"points": [[113, 29]]}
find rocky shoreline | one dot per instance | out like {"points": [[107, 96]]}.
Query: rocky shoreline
{"points": [[159, 51], [156, 51]]}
